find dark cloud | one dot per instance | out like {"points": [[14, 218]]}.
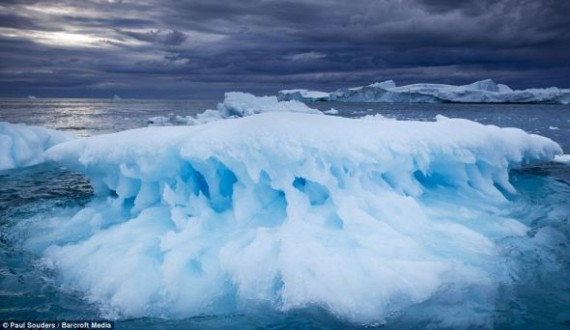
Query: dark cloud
{"points": [[169, 38], [12, 21], [201, 48]]}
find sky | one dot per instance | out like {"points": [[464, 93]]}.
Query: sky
{"points": [[202, 48]]}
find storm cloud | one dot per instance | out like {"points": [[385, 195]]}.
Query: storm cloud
{"points": [[201, 48]]}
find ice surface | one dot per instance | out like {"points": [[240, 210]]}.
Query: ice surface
{"points": [[484, 91], [385, 84], [22, 145], [562, 159], [364, 218]]}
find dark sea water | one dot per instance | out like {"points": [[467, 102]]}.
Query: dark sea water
{"points": [[539, 300]]}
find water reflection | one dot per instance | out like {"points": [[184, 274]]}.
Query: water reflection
{"points": [[86, 117]]}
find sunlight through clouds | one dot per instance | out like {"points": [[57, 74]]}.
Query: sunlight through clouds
{"points": [[56, 38]]}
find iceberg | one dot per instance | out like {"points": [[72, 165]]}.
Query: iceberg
{"points": [[238, 104], [484, 91], [235, 105], [302, 95], [364, 218], [22, 145]]}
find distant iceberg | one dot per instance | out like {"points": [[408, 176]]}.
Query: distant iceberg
{"points": [[235, 105], [22, 145], [484, 91], [302, 95], [116, 97], [238, 104], [364, 218]]}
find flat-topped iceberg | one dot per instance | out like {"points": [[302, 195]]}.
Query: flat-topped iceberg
{"points": [[363, 218], [485, 91], [23, 145]]}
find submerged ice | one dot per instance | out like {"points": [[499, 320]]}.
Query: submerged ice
{"points": [[23, 145], [484, 91], [364, 218]]}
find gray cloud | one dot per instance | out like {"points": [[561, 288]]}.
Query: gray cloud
{"points": [[168, 37], [202, 47]]}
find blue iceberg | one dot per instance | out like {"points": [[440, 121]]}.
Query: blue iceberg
{"points": [[363, 218]]}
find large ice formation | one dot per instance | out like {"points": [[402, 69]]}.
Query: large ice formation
{"points": [[364, 218], [22, 145], [485, 91]]}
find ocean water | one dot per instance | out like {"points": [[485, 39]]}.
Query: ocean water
{"points": [[539, 299]]}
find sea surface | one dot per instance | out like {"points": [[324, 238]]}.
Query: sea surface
{"points": [[540, 300]]}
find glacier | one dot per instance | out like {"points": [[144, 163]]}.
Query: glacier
{"points": [[484, 91], [23, 145], [362, 217]]}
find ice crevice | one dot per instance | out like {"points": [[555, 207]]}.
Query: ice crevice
{"points": [[289, 210]]}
